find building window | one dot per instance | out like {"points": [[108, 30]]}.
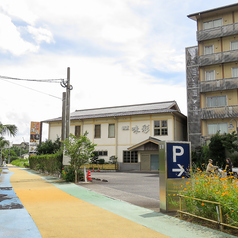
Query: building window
{"points": [[217, 101], [212, 24], [77, 131], [234, 72], [130, 157], [102, 153], [208, 49], [210, 75], [214, 128], [97, 131], [234, 45], [160, 128], [111, 131]]}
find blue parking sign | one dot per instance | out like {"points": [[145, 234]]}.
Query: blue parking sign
{"points": [[178, 160]]}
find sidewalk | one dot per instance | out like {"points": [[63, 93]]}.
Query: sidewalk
{"points": [[60, 209]]}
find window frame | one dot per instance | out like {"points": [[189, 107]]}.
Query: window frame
{"points": [[206, 78], [205, 47], [217, 129], [213, 21], [77, 130], [109, 130], [102, 152], [130, 157], [160, 129], [235, 41], [96, 136], [232, 72], [216, 102]]}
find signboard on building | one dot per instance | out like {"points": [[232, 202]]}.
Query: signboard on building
{"points": [[34, 136]]}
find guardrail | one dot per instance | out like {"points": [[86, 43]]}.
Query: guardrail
{"points": [[218, 209]]}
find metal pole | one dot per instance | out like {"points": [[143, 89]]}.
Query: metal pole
{"points": [[68, 104]]}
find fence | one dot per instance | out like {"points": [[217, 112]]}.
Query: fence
{"points": [[218, 209]]}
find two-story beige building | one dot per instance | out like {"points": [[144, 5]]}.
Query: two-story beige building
{"points": [[212, 74], [130, 133]]}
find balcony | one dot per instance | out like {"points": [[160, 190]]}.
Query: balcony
{"points": [[218, 58], [216, 32], [217, 85], [219, 112]]}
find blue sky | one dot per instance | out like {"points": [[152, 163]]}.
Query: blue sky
{"points": [[120, 52]]}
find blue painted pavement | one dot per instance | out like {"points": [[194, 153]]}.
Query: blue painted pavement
{"points": [[15, 221]]}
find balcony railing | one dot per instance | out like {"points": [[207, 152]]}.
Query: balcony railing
{"points": [[216, 32], [217, 85], [218, 58], [219, 112]]}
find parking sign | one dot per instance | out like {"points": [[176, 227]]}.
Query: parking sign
{"points": [[178, 160]]}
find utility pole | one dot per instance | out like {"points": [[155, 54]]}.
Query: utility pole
{"points": [[66, 107], [66, 113], [68, 104], [63, 117]]}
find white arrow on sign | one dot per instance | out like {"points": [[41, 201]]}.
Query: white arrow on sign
{"points": [[181, 170]]}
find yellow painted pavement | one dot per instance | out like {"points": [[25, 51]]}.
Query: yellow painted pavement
{"points": [[58, 214]]}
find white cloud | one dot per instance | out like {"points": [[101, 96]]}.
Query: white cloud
{"points": [[18, 9], [11, 40], [40, 34]]}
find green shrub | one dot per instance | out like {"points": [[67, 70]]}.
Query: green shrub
{"points": [[49, 163], [101, 161], [20, 163], [68, 174]]}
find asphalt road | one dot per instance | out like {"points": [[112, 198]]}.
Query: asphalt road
{"points": [[141, 189]]}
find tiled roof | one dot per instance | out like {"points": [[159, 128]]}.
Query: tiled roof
{"points": [[137, 109]]}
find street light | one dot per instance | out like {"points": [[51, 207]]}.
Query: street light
{"points": [[232, 127]]}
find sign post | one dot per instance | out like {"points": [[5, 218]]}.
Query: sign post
{"points": [[174, 164]]}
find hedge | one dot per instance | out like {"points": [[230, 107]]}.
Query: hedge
{"points": [[47, 163]]}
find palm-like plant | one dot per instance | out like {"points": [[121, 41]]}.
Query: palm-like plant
{"points": [[8, 130], [3, 143]]}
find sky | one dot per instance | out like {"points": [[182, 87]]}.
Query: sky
{"points": [[120, 52]]}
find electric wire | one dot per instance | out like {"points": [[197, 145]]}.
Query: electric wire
{"points": [[34, 80], [31, 88]]}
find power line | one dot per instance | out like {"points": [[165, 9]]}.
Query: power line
{"points": [[34, 80], [30, 88]]}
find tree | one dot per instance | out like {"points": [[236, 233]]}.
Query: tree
{"points": [[229, 141], [217, 150], [48, 147], [8, 130], [220, 144], [79, 149], [3, 143]]}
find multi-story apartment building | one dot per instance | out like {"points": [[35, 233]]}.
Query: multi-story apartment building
{"points": [[212, 74], [131, 133]]}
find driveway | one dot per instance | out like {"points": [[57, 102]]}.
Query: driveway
{"points": [[141, 189]]}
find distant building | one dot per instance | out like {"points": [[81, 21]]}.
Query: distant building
{"points": [[23, 145], [130, 133], [212, 74]]}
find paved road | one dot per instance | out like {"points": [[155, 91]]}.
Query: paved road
{"points": [[141, 189]]}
